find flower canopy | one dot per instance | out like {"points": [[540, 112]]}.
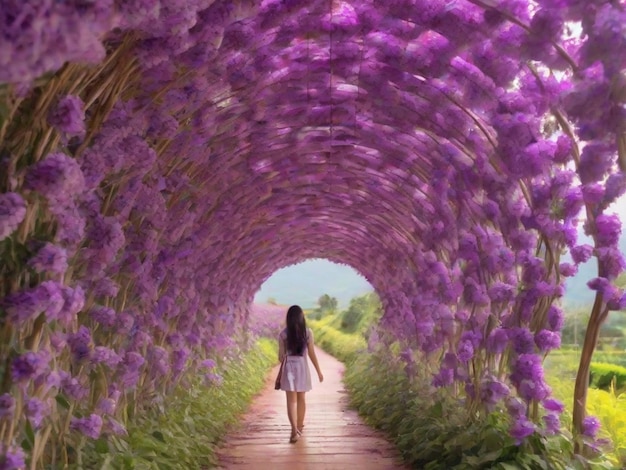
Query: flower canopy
{"points": [[447, 150]]}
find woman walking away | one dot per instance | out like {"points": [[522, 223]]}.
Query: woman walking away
{"points": [[295, 341]]}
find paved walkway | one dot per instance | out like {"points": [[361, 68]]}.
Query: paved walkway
{"points": [[334, 436]]}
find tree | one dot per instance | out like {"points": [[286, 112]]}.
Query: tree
{"points": [[327, 303]]}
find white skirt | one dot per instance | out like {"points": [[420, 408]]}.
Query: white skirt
{"points": [[296, 376]]}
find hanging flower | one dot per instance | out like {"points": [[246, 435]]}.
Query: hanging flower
{"points": [[50, 259], [68, 116], [12, 213], [90, 426]]}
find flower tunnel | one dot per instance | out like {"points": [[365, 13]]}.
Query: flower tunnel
{"points": [[161, 159]]}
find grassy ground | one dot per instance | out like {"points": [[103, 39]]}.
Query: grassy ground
{"points": [[608, 406], [182, 434]]}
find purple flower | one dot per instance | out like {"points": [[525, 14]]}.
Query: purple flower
{"points": [[91, 426], [158, 357], [73, 388], [444, 377], [69, 116], [528, 377], [129, 369], [615, 187], [104, 315], [591, 426], [50, 259], [12, 213], [124, 323], [593, 193], [74, 302], [581, 253], [522, 339], [553, 405], [608, 230], [612, 262], [179, 359], [555, 318], [7, 406], [106, 406], [516, 407], [208, 363], [595, 162], [114, 427], [58, 177], [23, 306], [12, 458], [568, 269], [497, 340], [501, 292], [80, 343], [547, 340], [465, 351], [521, 429], [493, 391], [29, 365], [552, 422], [106, 356], [611, 294], [535, 389], [36, 411]]}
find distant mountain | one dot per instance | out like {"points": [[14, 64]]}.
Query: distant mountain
{"points": [[306, 282]]}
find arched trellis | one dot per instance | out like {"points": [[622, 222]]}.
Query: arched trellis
{"points": [[411, 139]]}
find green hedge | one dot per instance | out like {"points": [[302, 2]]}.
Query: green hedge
{"points": [[434, 431], [184, 435], [603, 375], [345, 347]]}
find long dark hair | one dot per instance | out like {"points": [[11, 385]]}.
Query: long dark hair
{"points": [[296, 330]]}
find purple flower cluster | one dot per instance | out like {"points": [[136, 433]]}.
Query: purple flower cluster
{"points": [[527, 376], [12, 213], [12, 458], [68, 116], [90, 426], [28, 366], [50, 259]]}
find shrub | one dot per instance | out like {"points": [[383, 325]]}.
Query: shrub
{"points": [[343, 346], [434, 431], [602, 375]]}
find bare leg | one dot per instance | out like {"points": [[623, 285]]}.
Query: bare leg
{"points": [[292, 403], [301, 409]]}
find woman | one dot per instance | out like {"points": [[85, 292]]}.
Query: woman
{"points": [[295, 341]]}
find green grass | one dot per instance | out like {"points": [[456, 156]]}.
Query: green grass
{"points": [[608, 406], [344, 346], [185, 433], [434, 431]]}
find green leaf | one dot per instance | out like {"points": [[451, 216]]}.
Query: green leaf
{"points": [[62, 401], [102, 446], [129, 462], [507, 466], [159, 436], [27, 445], [484, 458], [30, 434]]}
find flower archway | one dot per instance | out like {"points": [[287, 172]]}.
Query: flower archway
{"points": [[161, 159]]}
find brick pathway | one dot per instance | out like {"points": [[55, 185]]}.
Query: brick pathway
{"points": [[334, 438]]}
